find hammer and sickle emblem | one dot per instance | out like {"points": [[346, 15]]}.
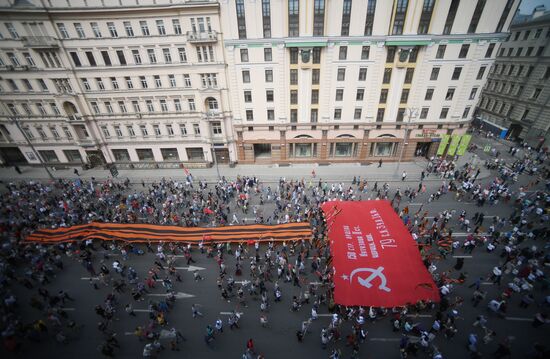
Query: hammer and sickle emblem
{"points": [[374, 273]]}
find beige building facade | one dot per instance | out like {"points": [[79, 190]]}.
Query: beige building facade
{"points": [[348, 80]]}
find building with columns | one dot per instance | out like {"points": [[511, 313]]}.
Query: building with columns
{"points": [[516, 98], [132, 82], [175, 82], [349, 80]]}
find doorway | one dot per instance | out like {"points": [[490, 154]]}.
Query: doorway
{"points": [[12, 156], [262, 150], [422, 149], [95, 158], [222, 155]]}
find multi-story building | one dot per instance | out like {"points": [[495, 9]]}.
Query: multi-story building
{"points": [[126, 81], [350, 80], [516, 97]]}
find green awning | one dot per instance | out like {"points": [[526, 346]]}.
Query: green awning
{"points": [[407, 43], [306, 44]]}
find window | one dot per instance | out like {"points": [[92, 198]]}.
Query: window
{"points": [[158, 82], [143, 82], [268, 75], [149, 105], [13, 85], [341, 76], [75, 58], [426, 16], [490, 50], [266, 18], [404, 96], [241, 22], [343, 53], [176, 26], [182, 54], [444, 113], [183, 129], [100, 84], [339, 94], [387, 76], [318, 17], [293, 18], [137, 57], [473, 93], [529, 51], [383, 96], [172, 80], [526, 35], [450, 94], [131, 131], [26, 108], [314, 97], [435, 74], [250, 115], [62, 30], [244, 55], [167, 56], [519, 51], [144, 28], [409, 75], [187, 80], [524, 116], [29, 59], [54, 132], [529, 71], [315, 76], [13, 58], [538, 33], [177, 105], [314, 115], [429, 94], [152, 56], [112, 29], [380, 115], [209, 80], [269, 95], [85, 84], [546, 75], [466, 112], [357, 113], [105, 131], [360, 95], [160, 27], [121, 57], [424, 113], [536, 93], [247, 96], [108, 107], [365, 53], [79, 30], [293, 76], [399, 17], [143, 129], [163, 106], [476, 16], [505, 14], [463, 51], [128, 28], [191, 104], [293, 97], [390, 55], [480, 72], [41, 108], [122, 107], [91, 58], [114, 83], [246, 76], [346, 15], [440, 51], [400, 115], [268, 55], [369, 20], [540, 50], [362, 74], [456, 73], [337, 113], [270, 115], [95, 107], [316, 56], [106, 58]]}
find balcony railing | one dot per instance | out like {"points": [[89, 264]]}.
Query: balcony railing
{"points": [[39, 41], [200, 37]]}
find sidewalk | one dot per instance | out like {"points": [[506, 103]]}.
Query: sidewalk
{"points": [[266, 173]]}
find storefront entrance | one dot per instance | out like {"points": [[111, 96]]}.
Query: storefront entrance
{"points": [[422, 149]]}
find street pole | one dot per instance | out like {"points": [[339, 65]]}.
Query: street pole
{"points": [[412, 112], [215, 162], [14, 120]]}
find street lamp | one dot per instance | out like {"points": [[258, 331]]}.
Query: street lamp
{"points": [[413, 111], [213, 153], [14, 120]]}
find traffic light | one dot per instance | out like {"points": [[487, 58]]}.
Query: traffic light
{"points": [[114, 171]]}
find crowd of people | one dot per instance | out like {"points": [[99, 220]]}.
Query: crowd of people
{"points": [[272, 270]]}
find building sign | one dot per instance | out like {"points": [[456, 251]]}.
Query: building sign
{"points": [[428, 132]]}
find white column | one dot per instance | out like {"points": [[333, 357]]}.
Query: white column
{"points": [[304, 94]]}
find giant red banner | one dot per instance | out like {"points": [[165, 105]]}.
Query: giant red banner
{"points": [[376, 261]]}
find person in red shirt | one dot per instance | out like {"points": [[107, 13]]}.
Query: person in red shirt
{"points": [[250, 345]]}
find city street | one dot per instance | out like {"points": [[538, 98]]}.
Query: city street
{"points": [[278, 338]]}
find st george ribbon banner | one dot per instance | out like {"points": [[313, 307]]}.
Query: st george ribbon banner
{"points": [[376, 261]]}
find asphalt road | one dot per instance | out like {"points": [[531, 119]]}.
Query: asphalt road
{"points": [[278, 340]]}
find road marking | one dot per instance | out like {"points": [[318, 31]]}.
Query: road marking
{"points": [[423, 315], [242, 281], [230, 313], [520, 319], [415, 204], [463, 256], [142, 310], [128, 333], [90, 278], [178, 295], [487, 283], [324, 315], [316, 283], [465, 234], [385, 339], [190, 268]]}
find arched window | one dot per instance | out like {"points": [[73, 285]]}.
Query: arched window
{"points": [[303, 136], [345, 136], [387, 135], [70, 108], [211, 104]]}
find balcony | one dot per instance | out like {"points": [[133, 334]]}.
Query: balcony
{"points": [[202, 37], [75, 118], [40, 41]]}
